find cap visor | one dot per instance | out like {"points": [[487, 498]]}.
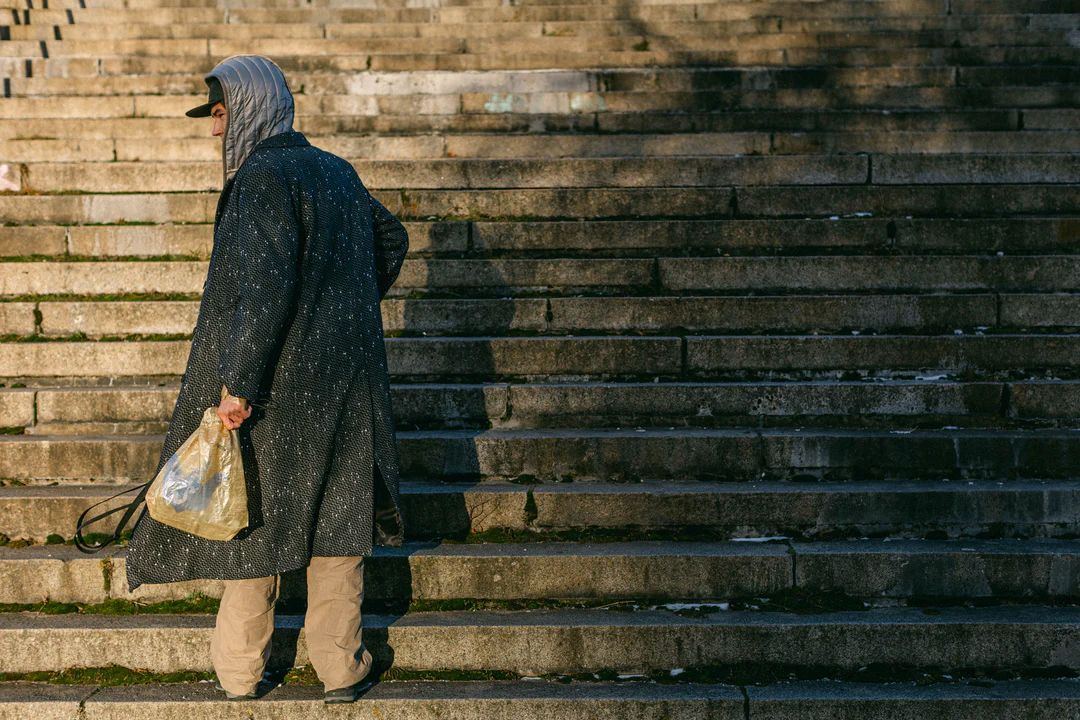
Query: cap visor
{"points": [[201, 110]]}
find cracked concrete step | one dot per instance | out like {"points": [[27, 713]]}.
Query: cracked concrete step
{"points": [[566, 173], [536, 700], [940, 122], [431, 146], [532, 699], [866, 273], [87, 29], [781, 275], [591, 455], [90, 26], [184, 87], [567, 641], [494, 316], [612, 357], [441, 110], [1038, 699], [609, 238], [595, 172], [643, 570], [287, 11], [576, 145], [823, 510], [876, 571], [94, 66], [803, 202], [131, 410], [437, 510], [805, 61]]}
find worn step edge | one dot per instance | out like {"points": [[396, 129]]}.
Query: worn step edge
{"points": [[541, 641]]}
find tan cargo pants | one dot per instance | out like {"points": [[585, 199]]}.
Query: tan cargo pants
{"points": [[240, 646]]}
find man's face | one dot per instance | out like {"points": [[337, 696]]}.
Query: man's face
{"points": [[219, 115]]}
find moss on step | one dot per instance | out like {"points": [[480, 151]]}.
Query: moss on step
{"points": [[103, 297], [195, 604], [97, 258], [82, 337], [110, 675]]}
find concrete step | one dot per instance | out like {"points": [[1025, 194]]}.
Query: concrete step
{"points": [[932, 509], [483, 145], [484, 277], [802, 202], [565, 173], [430, 146], [867, 273], [962, 701], [95, 65], [611, 357], [607, 238], [890, 571], [616, 454], [941, 122], [601, 101], [60, 410], [534, 699], [888, 313], [653, 571], [530, 699], [568, 641], [89, 26], [289, 11]]}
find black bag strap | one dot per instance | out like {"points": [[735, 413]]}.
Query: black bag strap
{"points": [[128, 510]]}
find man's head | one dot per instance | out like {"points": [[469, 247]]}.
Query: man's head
{"points": [[250, 101]]}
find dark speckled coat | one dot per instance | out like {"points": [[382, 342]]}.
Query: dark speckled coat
{"points": [[289, 319]]}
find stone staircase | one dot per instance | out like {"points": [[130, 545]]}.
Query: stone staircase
{"points": [[735, 359]]}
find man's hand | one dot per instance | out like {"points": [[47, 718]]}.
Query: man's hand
{"points": [[233, 411]]}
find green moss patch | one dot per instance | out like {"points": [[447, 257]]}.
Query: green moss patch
{"points": [[196, 604], [109, 675]]}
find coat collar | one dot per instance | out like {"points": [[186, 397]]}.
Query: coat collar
{"points": [[289, 138]]}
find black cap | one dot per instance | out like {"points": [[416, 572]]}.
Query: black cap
{"points": [[216, 96]]}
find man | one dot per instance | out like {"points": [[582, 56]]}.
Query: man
{"points": [[290, 332]]}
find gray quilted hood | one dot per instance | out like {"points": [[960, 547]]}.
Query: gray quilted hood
{"points": [[258, 102]]}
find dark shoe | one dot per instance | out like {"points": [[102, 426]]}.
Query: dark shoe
{"points": [[265, 684], [246, 696], [351, 693]]}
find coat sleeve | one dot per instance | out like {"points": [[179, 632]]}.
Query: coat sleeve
{"points": [[391, 244], [268, 269]]}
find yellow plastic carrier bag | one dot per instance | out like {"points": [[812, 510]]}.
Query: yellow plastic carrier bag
{"points": [[200, 489]]}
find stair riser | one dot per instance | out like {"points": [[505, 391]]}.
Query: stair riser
{"points": [[667, 576], [919, 510], [523, 406], [618, 455], [540, 649]]}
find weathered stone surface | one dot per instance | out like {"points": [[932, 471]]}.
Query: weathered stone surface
{"points": [[830, 700], [544, 641], [798, 313], [752, 509], [878, 353], [434, 572], [434, 700], [1000, 569]]}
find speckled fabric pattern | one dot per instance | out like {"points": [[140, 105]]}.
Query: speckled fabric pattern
{"points": [[290, 319]]}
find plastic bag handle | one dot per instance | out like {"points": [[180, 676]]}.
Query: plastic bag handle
{"points": [[128, 510]]}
